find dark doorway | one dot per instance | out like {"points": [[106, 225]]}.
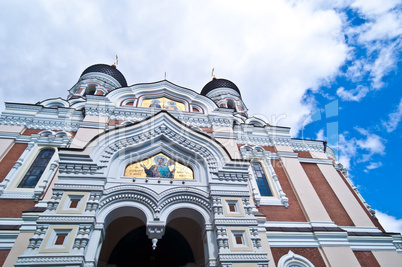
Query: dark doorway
{"points": [[135, 249]]}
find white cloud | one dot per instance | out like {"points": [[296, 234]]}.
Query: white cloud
{"points": [[384, 27], [354, 94], [356, 71], [373, 144], [385, 62], [394, 119], [360, 150], [374, 7], [347, 150], [320, 135], [390, 223], [379, 35], [372, 166]]}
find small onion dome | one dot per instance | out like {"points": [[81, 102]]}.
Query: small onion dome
{"points": [[218, 83], [108, 70]]}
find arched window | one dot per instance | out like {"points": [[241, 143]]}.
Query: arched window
{"points": [[294, 260], [261, 179], [231, 104], [37, 168], [90, 90]]}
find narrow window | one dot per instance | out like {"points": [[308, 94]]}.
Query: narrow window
{"points": [[74, 203], [37, 168], [261, 179], [239, 239], [232, 207], [60, 239]]}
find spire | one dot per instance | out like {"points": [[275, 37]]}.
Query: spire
{"points": [[115, 62]]}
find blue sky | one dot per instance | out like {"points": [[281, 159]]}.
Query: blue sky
{"points": [[289, 59]]}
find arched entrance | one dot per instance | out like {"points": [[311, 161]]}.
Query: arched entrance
{"points": [[135, 249], [126, 244]]}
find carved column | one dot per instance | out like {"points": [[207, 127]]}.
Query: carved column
{"points": [[210, 246]]}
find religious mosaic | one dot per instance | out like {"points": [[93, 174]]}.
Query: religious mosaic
{"points": [[159, 166], [163, 103]]}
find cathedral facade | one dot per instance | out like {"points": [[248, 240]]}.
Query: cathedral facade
{"points": [[155, 174]]}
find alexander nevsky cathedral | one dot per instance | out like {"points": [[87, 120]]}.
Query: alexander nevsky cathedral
{"points": [[155, 174]]}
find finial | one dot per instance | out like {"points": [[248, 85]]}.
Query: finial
{"points": [[165, 75], [116, 62], [213, 75], [154, 241]]}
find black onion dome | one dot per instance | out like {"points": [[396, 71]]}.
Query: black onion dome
{"points": [[108, 70], [219, 83]]}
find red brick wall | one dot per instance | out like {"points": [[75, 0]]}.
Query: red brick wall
{"points": [[332, 205], [374, 220], [269, 148], [312, 254], [304, 154], [206, 129], [3, 255], [7, 163], [32, 131], [294, 212], [114, 122], [13, 208], [366, 259]]}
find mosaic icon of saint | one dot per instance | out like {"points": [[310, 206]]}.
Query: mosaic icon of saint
{"points": [[155, 104], [172, 106], [161, 168]]}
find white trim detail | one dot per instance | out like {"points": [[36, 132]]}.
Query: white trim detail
{"points": [[294, 260]]}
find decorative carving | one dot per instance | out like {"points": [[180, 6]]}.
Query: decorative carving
{"points": [[231, 176], [77, 168], [56, 260], [243, 139], [230, 193], [183, 189], [82, 237], [245, 256], [93, 202], [270, 140], [65, 219], [235, 222], [40, 123], [172, 136], [217, 205], [303, 145], [155, 230], [185, 198], [130, 196], [246, 204], [222, 238], [222, 122], [255, 239], [36, 240], [78, 187]]}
